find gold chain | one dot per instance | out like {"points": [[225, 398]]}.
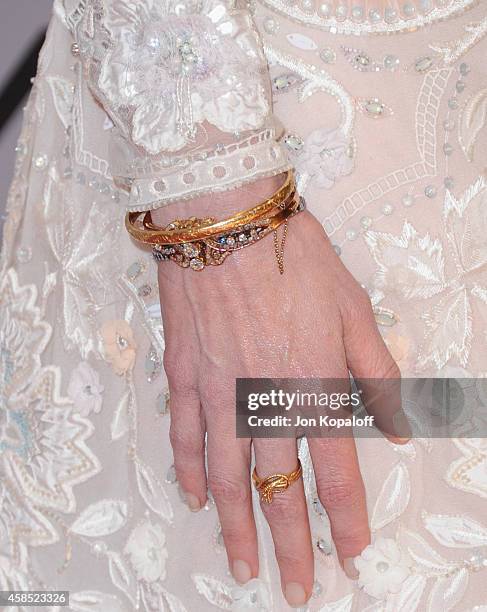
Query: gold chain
{"points": [[279, 250]]}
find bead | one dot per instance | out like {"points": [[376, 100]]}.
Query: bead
{"points": [[317, 589], [362, 60], [430, 191], [40, 162], [325, 9], [293, 142], [162, 403], [134, 270], [453, 103], [447, 148], [337, 249], [374, 15], [341, 11], [366, 222], [382, 567], [464, 69], [391, 62], [422, 64], [171, 475], [408, 9], [374, 107], [351, 234], [144, 291], [196, 264], [357, 13], [387, 209], [308, 5], [448, 125], [328, 55], [271, 25], [323, 546], [390, 15], [448, 182], [460, 86], [407, 200], [75, 50], [24, 254]]}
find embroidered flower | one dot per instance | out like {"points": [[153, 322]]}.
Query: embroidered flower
{"points": [[146, 548], [382, 568], [443, 282], [169, 66], [119, 345], [252, 596], [85, 390], [325, 157]]}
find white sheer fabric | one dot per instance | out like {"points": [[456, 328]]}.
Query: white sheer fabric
{"points": [[388, 136], [187, 88]]}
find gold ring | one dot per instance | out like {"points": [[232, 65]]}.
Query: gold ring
{"points": [[277, 483]]}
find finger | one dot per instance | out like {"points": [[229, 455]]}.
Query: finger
{"points": [[341, 491], [287, 516], [374, 370], [229, 483], [187, 436]]}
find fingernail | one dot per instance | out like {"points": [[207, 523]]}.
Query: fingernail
{"points": [[241, 571], [295, 594], [350, 569], [193, 502]]}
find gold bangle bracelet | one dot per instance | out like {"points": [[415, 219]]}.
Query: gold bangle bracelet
{"points": [[193, 229]]}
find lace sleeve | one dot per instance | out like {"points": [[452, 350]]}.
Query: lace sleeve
{"points": [[186, 86]]}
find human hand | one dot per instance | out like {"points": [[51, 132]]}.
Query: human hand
{"points": [[243, 319]]}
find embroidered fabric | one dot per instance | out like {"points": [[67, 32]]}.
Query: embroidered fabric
{"points": [[180, 77], [392, 163]]}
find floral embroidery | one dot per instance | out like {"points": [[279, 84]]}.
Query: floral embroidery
{"points": [[326, 156], [382, 568], [173, 68], [119, 345], [414, 268], [252, 596], [146, 548], [85, 390]]}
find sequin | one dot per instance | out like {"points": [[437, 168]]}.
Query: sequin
{"points": [[328, 55], [40, 162], [430, 191]]}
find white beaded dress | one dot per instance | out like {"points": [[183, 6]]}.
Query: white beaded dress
{"points": [[382, 110]]}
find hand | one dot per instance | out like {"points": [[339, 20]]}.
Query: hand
{"points": [[243, 319]]}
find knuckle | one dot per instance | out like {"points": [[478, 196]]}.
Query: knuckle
{"points": [[228, 490], [341, 494], [234, 537], [283, 510], [288, 559]]}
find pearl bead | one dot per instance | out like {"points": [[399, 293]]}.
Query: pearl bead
{"points": [[447, 148], [325, 9], [341, 11], [430, 191], [387, 209], [351, 234], [357, 13], [374, 15], [366, 222], [391, 62], [308, 5], [407, 200]]}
